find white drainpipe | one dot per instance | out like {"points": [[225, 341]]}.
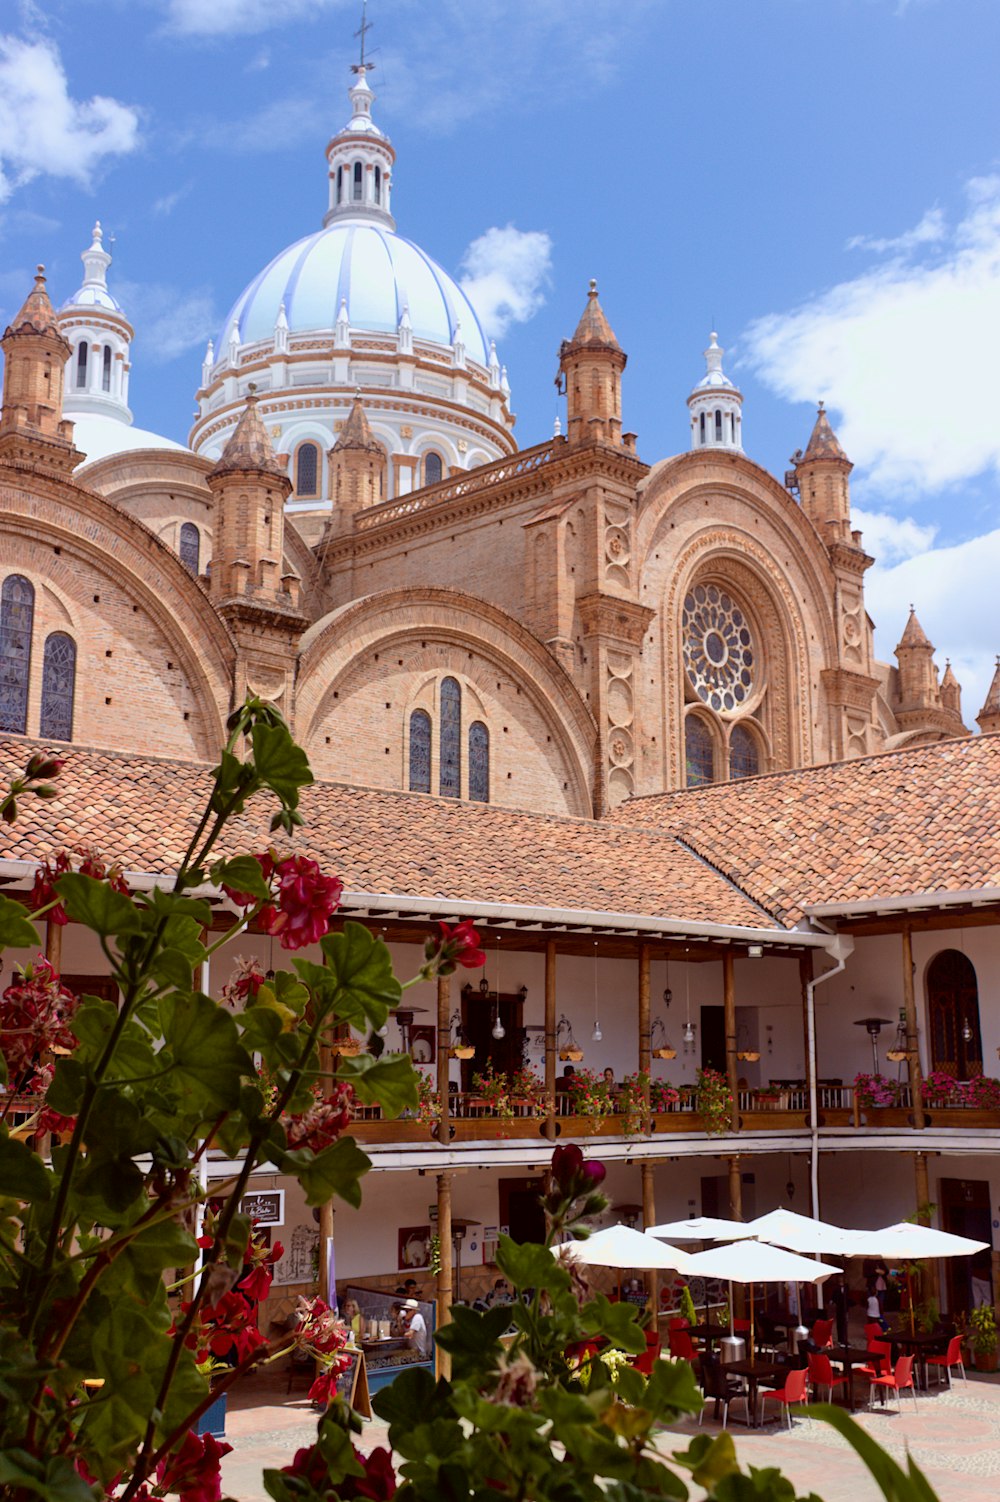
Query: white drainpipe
{"points": [[840, 948]]}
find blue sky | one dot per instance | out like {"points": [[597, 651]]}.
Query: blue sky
{"points": [[819, 177]]}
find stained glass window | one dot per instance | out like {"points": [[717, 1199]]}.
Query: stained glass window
{"points": [[306, 469], [744, 760], [433, 469], [17, 611], [451, 739], [718, 648], [58, 686], [698, 752], [420, 751], [479, 762], [190, 546]]}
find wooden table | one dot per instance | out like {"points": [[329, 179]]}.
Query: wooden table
{"points": [[922, 1345], [848, 1357], [707, 1333], [755, 1373]]}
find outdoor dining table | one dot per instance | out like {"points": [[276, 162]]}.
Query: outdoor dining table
{"points": [[849, 1357], [922, 1344], [708, 1333], [756, 1372]]}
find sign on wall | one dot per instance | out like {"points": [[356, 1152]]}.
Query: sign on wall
{"points": [[265, 1207]]}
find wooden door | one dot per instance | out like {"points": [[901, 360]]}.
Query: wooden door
{"points": [[479, 1012], [953, 1015], [965, 1210]]}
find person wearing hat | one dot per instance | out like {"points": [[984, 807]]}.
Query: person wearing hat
{"points": [[416, 1329]]}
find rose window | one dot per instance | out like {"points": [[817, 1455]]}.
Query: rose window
{"points": [[719, 653]]}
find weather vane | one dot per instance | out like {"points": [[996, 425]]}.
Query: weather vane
{"points": [[362, 67]]}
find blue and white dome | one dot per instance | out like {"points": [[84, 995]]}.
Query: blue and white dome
{"points": [[369, 269]]}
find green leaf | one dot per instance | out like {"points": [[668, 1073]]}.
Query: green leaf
{"points": [[110, 1184], [279, 763], [337, 1170], [205, 1053], [362, 968], [241, 874], [409, 1400], [390, 1082], [531, 1266], [619, 1322], [167, 904], [97, 906], [473, 1339], [23, 1175], [173, 968], [54, 1478], [16, 929]]}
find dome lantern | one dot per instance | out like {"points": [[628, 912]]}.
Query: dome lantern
{"points": [[716, 405], [360, 162], [97, 371]]}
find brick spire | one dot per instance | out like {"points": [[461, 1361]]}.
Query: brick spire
{"points": [[823, 441], [249, 449], [33, 430], [914, 634], [356, 432], [590, 370], [594, 327], [988, 718]]}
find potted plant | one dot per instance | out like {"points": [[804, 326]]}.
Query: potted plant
{"points": [[982, 1338], [941, 1089], [495, 1091], [875, 1090], [428, 1101], [527, 1090], [715, 1101], [590, 1097]]}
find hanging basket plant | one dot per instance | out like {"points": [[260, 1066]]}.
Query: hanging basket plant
{"points": [[750, 1055], [462, 1051], [572, 1055], [664, 1053], [348, 1048]]}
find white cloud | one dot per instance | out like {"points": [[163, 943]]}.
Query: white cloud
{"points": [[891, 539], [954, 590], [904, 352], [44, 130], [168, 322], [164, 206], [931, 229], [238, 17], [504, 272]]}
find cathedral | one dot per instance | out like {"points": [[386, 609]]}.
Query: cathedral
{"points": [[330, 539]]}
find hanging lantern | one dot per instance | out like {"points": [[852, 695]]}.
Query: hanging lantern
{"points": [[569, 1049]]}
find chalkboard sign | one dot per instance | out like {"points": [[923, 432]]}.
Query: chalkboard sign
{"points": [[352, 1383], [265, 1207]]}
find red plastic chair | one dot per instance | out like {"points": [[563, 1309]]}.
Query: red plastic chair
{"points": [[649, 1357], [795, 1390], [681, 1345], [821, 1332], [899, 1381], [821, 1372], [952, 1357], [882, 1352], [873, 1330]]}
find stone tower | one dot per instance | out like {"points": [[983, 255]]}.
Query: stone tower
{"points": [[357, 469], [988, 718], [32, 428], [716, 405], [822, 478], [97, 375], [590, 366]]}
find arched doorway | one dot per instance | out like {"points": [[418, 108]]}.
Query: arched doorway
{"points": [[953, 1015]]}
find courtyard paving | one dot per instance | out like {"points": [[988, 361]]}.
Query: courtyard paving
{"points": [[954, 1436]]}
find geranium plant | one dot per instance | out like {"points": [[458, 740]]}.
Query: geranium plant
{"points": [[875, 1090], [715, 1101], [590, 1095]]}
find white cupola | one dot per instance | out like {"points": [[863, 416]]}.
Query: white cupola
{"points": [[360, 162], [716, 405], [92, 320]]}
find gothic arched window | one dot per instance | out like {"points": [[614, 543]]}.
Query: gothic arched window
{"points": [[340, 184], [699, 752], [744, 758], [703, 427], [433, 468], [358, 182], [451, 738], [190, 546], [479, 762], [307, 469], [106, 371], [718, 427], [17, 613], [81, 363], [420, 751], [953, 1015], [58, 686], [378, 184]]}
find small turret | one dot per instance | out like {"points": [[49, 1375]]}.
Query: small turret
{"points": [[250, 486], [918, 685], [716, 405], [988, 718], [951, 691], [357, 468], [590, 370], [822, 478], [360, 161], [32, 428], [97, 376]]}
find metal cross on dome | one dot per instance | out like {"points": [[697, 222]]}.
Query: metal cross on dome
{"points": [[362, 67]]}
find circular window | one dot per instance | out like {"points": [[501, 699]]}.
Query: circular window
{"points": [[719, 652]]}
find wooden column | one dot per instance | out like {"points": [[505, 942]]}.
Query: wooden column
{"points": [[442, 1359], [729, 1007], [649, 1219], [550, 1037], [326, 1293], [444, 1057], [805, 976], [912, 1049], [645, 1043], [735, 1190], [923, 1188]]}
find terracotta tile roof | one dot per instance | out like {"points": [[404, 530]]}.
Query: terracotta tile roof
{"points": [[594, 327], [249, 448], [37, 313], [823, 441], [913, 821], [140, 810], [356, 432]]}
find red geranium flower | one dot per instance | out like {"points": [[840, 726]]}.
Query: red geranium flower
{"points": [[323, 1123], [454, 946], [305, 900], [194, 1471], [81, 859], [35, 1016]]}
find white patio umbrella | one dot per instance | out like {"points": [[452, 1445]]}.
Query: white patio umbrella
{"points": [[908, 1242], [622, 1246], [701, 1228], [757, 1262], [800, 1233]]}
